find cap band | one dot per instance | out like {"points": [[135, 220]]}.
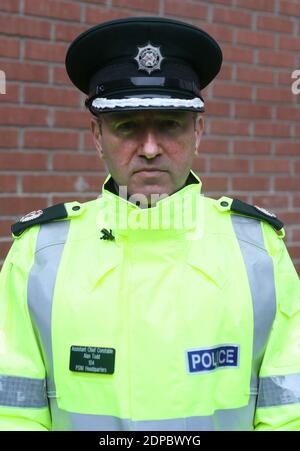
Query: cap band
{"points": [[101, 103]]}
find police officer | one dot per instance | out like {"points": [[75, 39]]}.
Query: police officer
{"points": [[152, 307]]}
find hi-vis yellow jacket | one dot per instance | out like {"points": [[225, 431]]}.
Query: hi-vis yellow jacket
{"points": [[184, 316]]}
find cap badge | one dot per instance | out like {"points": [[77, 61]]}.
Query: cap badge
{"points": [[149, 58], [265, 211], [32, 215]]}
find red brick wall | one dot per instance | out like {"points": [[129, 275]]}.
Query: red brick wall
{"points": [[251, 146]]}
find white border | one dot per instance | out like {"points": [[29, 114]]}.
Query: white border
{"points": [[101, 103]]}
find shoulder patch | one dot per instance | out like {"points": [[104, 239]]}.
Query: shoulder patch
{"points": [[256, 212], [58, 211]]}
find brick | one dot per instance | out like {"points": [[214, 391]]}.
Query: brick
{"points": [[225, 72], [233, 17], [237, 55], [232, 91], [275, 59], [271, 166], [88, 141], [272, 130], [252, 147], [22, 116], [25, 71], [290, 8], [230, 127], [297, 165], [20, 205], [262, 5], [255, 38], [5, 227], [294, 251], [4, 247], [214, 146], [12, 93], [287, 183], [245, 110], [296, 201], [72, 119], [185, 9], [290, 218], [144, 5], [288, 43], [298, 133], [274, 24], [68, 32], [214, 108], [199, 165], [250, 183], [256, 75], [43, 51], [24, 26], [284, 78], [288, 113], [52, 96], [23, 161], [9, 47], [54, 9], [96, 15], [219, 32], [297, 267], [11, 6], [60, 76], [50, 139], [229, 165], [60, 183], [271, 202], [79, 197], [8, 137], [288, 148], [295, 234], [77, 162], [214, 183], [7, 183], [274, 94]]}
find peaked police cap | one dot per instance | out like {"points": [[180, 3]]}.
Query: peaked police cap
{"points": [[143, 63]]}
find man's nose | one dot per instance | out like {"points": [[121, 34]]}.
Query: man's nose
{"points": [[149, 146]]}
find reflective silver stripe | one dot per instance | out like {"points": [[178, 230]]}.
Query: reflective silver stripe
{"points": [[260, 271], [41, 283], [109, 423], [22, 392], [240, 419], [279, 390], [223, 420]]}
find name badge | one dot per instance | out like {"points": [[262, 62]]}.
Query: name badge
{"points": [[89, 359], [204, 360]]}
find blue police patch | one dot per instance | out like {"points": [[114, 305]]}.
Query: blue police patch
{"points": [[211, 359]]}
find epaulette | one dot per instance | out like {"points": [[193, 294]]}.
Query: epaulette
{"points": [[55, 212], [253, 211]]}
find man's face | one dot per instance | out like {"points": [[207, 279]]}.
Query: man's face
{"points": [[149, 152]]}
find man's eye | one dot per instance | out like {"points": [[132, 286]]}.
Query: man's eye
{"points": [[170, 124], [127, 126]]}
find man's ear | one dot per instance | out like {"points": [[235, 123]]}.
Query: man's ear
{"points": [[97, 135], [199, 128]]}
